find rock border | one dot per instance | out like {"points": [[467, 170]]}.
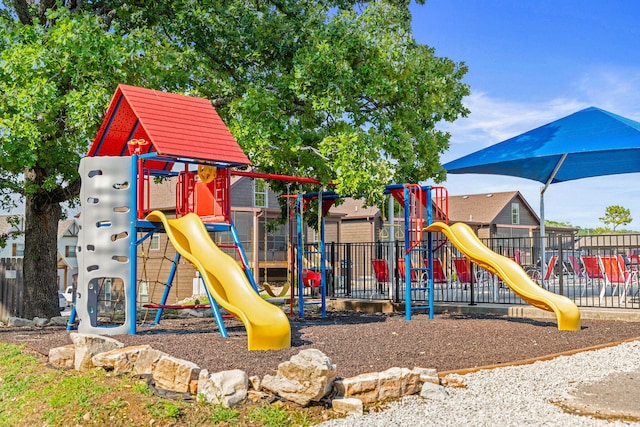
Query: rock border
{"points": [[307, 377]]}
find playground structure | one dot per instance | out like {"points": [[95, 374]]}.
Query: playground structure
{"points": [[144, 135], [148, 135], [421, 206]]}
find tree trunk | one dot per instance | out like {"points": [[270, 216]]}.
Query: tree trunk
{"points": [[41, 258]]}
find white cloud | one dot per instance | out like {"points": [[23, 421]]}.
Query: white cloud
{"points": [[616, 89], [493, 120]]}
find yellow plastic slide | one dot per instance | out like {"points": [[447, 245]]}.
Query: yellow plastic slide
{"points": [[463, 238], [267, 325]]}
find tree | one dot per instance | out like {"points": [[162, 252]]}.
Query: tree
{"points": [[615, 216], [337, 90], [59, 66], [549, 223]]}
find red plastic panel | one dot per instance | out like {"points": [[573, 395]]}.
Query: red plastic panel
{"points": [[175, 125]]}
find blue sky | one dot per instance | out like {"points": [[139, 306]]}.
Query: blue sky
{"points": [[532, 62]]}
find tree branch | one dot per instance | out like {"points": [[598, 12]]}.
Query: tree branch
{"points": [[60, 195], [42, 10], [315, 150], [222, 102], [22, 10]]}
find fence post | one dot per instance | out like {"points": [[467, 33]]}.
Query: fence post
{"points": [[561, 264], [332, 263], [3, 290], [19, 287], [348, 264]]}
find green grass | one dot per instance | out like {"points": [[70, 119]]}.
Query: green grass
{"points": [[222, 414], [142, 388], [35, 394], [167, 410], [270, 416]]}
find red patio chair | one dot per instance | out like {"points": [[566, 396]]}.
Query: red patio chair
{"points": [[439, 276], [616, 275], [463, 270], [593, 271], [574, 261], [381, 271], [402, 271], [548, 275]]}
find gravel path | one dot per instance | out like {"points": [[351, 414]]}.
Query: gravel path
{"points": [[529, 395]]}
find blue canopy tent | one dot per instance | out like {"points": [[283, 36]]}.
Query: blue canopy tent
{"points": [[588, 143]]}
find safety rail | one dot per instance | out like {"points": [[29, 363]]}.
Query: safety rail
{"points": [[440, 197]]}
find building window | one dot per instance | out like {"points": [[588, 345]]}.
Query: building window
{"points": [[17, 249], [260, 189], [70, 251], [515, 213], [154, 245]]}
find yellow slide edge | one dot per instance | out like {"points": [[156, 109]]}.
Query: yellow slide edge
{"points": [[511, 273]]}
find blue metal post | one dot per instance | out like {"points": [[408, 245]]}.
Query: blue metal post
{"points": [[430, 252], [407, 250], [216, 311], [243, 257], [323, 269], [167, 288], [72, 317], [133, 249], [299, 256]]}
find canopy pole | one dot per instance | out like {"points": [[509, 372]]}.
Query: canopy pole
{"points": [[543, 264]]}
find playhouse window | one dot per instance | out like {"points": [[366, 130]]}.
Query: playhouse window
{"points": [[515, 213], [260, 193]]}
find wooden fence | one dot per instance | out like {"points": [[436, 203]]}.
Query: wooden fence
{"points": [[11, 288]]}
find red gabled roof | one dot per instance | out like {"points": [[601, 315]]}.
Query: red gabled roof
{"points": [[174, 125]]}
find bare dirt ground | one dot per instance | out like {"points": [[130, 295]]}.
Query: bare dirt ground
{"points": [[359, 343]]}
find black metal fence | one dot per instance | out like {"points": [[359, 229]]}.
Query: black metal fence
{"points": [[593, 271]]}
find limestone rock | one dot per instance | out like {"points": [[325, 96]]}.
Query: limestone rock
{"points": [[363, 387], [190, 312], [348, 406], [147, 360], [428, 375], [390, 384], [59, 321], [19, 322], [120, 360], [62, 357], [433, 391], [173, 374], [88, 345], [227, 388], [40, 321], [255, 382], [307, 377]]}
